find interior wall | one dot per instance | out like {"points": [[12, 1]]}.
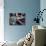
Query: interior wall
{"points": [[43, 6], [30, 7], [1, 21]]}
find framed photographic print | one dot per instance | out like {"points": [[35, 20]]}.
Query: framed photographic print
{"points": [[17, 18]]}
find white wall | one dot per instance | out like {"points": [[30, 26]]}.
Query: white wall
{"points": [[1, 21]]}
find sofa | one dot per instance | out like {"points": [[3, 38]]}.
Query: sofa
{"points": [[39, 33], [39, 37]]}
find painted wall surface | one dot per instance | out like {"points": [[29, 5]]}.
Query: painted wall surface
{"points": [[30, 7], [43, 6], [1, 21]]}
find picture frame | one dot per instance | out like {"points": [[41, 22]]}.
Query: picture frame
{"points": [[16, 18]]}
